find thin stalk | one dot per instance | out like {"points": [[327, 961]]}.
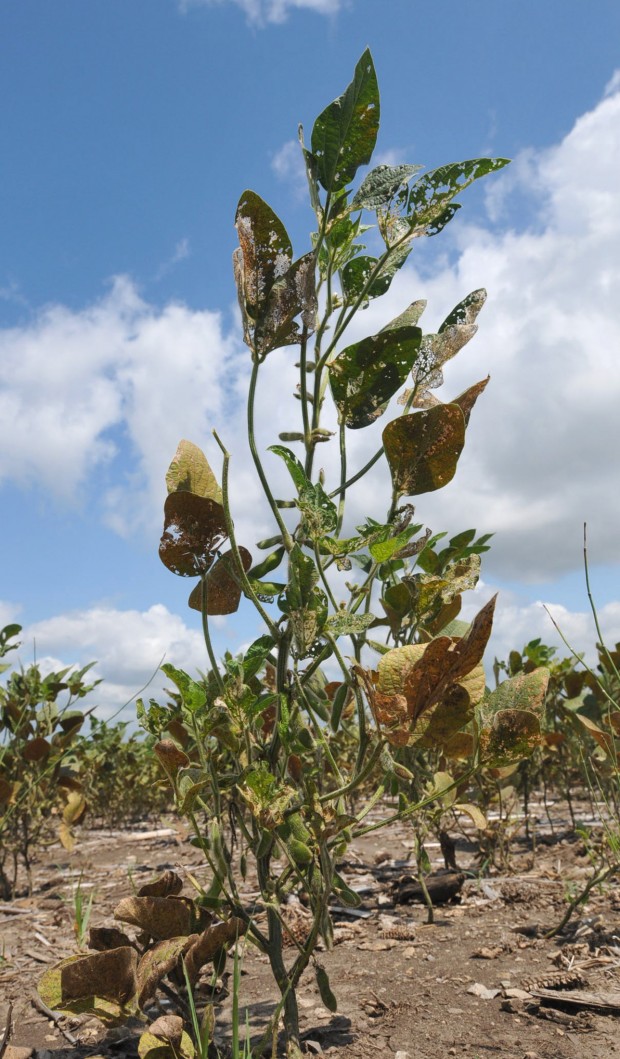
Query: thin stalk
{"points": [[206, 633], [230, 528], [287, 540], [597, 626]]}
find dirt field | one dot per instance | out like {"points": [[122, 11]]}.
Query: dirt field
{"points": [[467, 986]]}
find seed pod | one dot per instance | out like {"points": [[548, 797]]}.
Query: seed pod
{"points": [[271, 562], [322, 980], [338, 705]]}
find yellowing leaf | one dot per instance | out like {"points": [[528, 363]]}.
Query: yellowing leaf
{"points": [[190, 472]]}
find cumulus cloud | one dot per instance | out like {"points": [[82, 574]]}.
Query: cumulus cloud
{"points": [[540, 455], [116, 384], [261, 12], [128, 647]]}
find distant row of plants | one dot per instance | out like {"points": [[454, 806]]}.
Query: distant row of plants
{"points": [[53, 775]]}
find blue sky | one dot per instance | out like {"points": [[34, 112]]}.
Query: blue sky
{"points": [[129, 131]]}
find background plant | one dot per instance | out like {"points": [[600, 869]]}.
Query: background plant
{"points": [[121, 780], [40, 791]]}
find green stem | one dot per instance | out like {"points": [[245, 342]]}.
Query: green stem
{"points": [[286, 537], [230, 528], [207, 635]]}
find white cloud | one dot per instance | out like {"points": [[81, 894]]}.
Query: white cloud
{"points": [[540, 455], [540, 458], [127, 645], [517, 623], [288, 165], [261, 12]]}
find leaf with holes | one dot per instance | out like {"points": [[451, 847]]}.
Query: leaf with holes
{"points": [[265, 254], [194, 530], [345, 133], [367, 374]]}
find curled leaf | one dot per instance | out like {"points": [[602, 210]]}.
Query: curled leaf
{"points": [[214, 938], [223, 588]]}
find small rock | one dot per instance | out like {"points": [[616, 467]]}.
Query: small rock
{"points": [[482, 991], [517, 994], [402, 1055]]}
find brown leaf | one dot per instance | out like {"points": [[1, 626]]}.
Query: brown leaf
{"points": [[223, 588], [162, 917], [194, 530], [156, 964], [36, 749], [423, 448], [166, 885], [102, 938], [110, 974], [170, 756], [210, 941], [468, 398]]}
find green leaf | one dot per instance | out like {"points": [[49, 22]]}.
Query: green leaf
{"points": [[303, 602], [466, 312], [381, 184], [256, 656], [525, 691], [190, 782], [190, 472], [193, 695], [430, 195], [364, 376], [320, 513], [345, 133], [343, 623], [423, 449], [355, 276]]}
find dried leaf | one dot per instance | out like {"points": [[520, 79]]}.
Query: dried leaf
{"points": [[102, 984], [162, 917], [194, 530], [423, 449], [102, 938], [165, 885], [205, 947], [156, 963], [36, 749], [223, 588], [166, 1039], [170, 756]]}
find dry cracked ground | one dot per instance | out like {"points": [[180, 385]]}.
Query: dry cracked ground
{"points": [[481, 982]]}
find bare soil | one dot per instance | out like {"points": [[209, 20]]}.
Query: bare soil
{"points": [[466, 986]]}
